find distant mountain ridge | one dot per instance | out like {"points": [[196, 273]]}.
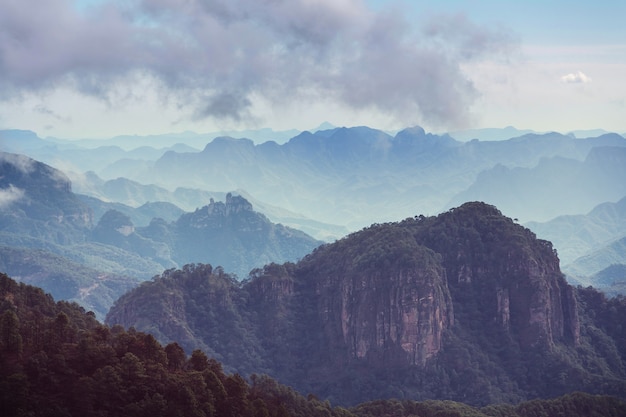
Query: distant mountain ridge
{"points": [[39, 212], [137, 197], [335, 172], [591, 246], [328, 175], [576, 235], [554, 186]]}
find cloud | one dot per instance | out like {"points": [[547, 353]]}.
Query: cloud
{"points": [[212, 57], [575, 78], [9, 196], [22, 163]]}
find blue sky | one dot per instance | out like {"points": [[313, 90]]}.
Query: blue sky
{"points": [[100, 68]]}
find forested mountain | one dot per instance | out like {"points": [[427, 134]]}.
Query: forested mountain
{"points": [[55, 359], [66, 279], [467, 305]]}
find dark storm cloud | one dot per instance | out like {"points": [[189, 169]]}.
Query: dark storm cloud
{"points": [[213, 55]]}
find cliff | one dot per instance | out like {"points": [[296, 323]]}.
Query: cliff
{"points": [[386, 302], [516, 276]]}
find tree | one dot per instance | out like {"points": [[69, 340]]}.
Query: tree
{"points": [[199, 360], [176, 356], [10, 337]]}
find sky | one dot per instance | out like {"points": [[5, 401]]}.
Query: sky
{"points": [[100, 68]]}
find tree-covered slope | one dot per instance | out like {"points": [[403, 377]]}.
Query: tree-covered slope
{"points": [[467, 305], [55, 359], [66, 280]]}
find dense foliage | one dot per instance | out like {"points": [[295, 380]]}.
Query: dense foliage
{"points": [[57, 360]]}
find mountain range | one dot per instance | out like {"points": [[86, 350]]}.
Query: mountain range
{"points": [[203, 240], [330, 182], [329, 175], [45, 223]]}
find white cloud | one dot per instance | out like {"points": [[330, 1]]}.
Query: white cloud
{"points": [[575, 78], [21, 162], [10, 195], [211, 58]]}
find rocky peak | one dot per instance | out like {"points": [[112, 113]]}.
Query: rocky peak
{"points": [[216, 213], [117, 221], [234, 204]]}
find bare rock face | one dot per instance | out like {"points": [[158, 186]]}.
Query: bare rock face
{"points": [[401, 321], [387, 304], [543, 306]]}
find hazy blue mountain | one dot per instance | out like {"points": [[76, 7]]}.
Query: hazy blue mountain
{"points": [[330, 175], [70, 155], [39, 213], [230, 234], [491, 134], [586, 268], [611, 280], [135, 199], [577, 235], [589, 133], [556, 186], [18, 140], [116, 229], [191, 139], [36, 200], [134, 194]]}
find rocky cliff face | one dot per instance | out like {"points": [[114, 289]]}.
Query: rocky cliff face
{"points": [[392, 314]]}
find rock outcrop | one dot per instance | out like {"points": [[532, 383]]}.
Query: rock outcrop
{"points": [[388, 302]]}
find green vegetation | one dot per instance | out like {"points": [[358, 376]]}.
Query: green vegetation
{"points": [[57, 360], [67, 280]]}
